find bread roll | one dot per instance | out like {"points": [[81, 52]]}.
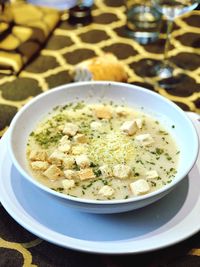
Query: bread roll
{"points": [[103, 68]]}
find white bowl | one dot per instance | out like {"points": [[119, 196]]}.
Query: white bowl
{"points": [[159, 107]]}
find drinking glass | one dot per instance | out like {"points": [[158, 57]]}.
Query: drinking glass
{"points": [[143, 21], [171, 9]]}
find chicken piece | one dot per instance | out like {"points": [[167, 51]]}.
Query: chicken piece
{"points": [[82, 161], [79, 149], [129, 127], [121, 171], [140, 187], [139, 123], [106, 191], [144, 139], [57, 157], [65, 147], [37, 155], [68, 162], [39, 165], [70, 129], [67, 184], [70, 174], [103, 112], [105, 171], [64, 139], [96, 125], [151, 174], [86, 174], [53, 173]]}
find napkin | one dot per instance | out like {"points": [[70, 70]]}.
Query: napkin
{"points": [[30, 29]]}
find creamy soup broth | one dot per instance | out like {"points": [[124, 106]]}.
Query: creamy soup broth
{"points": [[101, 151]]}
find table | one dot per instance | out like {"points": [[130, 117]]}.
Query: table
{"points": [[67, 46]]}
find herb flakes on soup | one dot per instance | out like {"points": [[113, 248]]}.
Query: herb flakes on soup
{"points": [[101, 151]]}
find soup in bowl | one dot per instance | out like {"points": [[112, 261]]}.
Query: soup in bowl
{"points": [[103, 147]]}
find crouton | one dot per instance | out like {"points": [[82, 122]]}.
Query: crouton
{"points": [[86, 174], [56, 157], [103, 112], [38, 155], [70, 174], [70, 129], [82, 161], [129, 127], [53, 173], [39, 165], [68, 162]]}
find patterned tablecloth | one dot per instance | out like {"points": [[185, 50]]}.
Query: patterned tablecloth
{"points": [[67, 46]]}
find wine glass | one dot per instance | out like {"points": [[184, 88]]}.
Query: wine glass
{"points": [[171, 9]]}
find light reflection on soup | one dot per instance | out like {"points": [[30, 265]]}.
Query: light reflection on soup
{"points": [[101, 151]]}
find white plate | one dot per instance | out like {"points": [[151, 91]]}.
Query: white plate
{"points": [[164, 223]]}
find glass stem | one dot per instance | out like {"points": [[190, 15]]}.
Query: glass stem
{"points": [[167, 42]]}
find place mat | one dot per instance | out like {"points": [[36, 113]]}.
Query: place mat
{"points": [[29, 30]]}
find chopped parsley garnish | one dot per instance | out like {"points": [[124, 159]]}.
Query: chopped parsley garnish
{"points": [[163, 132], [79, 105], [46, 138], [97, 172], [58, 189], [159, 151]]}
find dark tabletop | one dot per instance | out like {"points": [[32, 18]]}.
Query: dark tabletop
{"points": [[52, 66]]}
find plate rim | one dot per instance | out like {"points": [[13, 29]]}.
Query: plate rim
{"points": [[87, 244]]}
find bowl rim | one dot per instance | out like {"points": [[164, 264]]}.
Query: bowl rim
{"points": [[130, 200]]}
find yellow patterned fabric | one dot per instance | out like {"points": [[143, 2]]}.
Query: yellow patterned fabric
{"points": [[29, 31], [69, 45]]}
